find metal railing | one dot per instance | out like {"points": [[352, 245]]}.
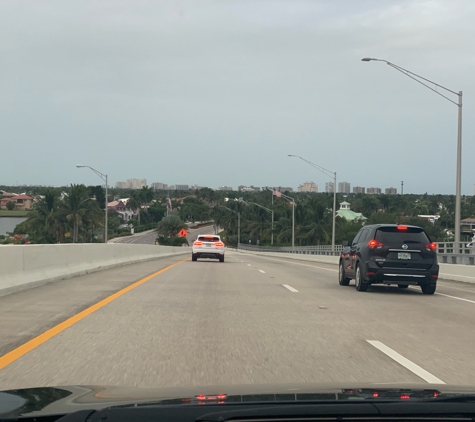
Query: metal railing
{"points": [[456, 253], [447, 252], [305, 250]]}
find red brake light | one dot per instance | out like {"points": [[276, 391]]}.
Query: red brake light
{"points": [[374, 244], [405, 397], [402, 227], [219, 244], [375, 394], [432, 246], [436, 394], [198, 243], [201, 397], [222, 396]]}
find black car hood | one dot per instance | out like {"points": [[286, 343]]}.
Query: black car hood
{"points": [[67, 399]]}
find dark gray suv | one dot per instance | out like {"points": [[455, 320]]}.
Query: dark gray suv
{"points": [[390, 254]]}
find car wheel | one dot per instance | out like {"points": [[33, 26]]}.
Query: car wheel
{"points": [[342, 279], [428, 290], [194, 257], [403, 286], [361, 286], [221, 259]]}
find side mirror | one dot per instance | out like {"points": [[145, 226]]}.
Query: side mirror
{"points": [[345, 243]]}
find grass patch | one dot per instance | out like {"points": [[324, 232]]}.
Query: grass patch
{"points": [[16, 213]]}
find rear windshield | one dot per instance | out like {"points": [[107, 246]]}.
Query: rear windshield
{"points": [[388, 235], [209, 239]]}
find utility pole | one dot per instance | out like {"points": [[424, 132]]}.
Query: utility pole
{"points": [[402, 187]]}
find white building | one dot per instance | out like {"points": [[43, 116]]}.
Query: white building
{"points": [[308, 187], [121, 185], [136, 183], [159, 186]]}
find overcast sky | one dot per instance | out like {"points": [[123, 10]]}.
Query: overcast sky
{"points": [[219, 92]]}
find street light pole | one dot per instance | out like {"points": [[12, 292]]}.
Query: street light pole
{"points": [[269, 211], [458, 182], [105, 178], [293, 214], [330, 174], [239, 222]]}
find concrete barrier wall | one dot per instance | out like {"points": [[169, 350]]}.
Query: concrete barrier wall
{"points": [[454, 272], [25, 266]]}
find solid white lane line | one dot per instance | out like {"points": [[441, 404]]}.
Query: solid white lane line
{"points": [[455, 297], [263, 272], [452, 297], [415, 369], [249, 265], [290, 288]]}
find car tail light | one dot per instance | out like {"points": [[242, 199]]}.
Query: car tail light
{"points": [[198, 243], [402, 227], [370, 273], [432, 246], [202, 397], [219, 244], [373, 244], [435, 394], [375, 394], [405, 397]]}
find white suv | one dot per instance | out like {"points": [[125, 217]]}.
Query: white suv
{"points": [[208, 246]]}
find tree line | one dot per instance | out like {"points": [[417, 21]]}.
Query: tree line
{"points": [[76, 214]]}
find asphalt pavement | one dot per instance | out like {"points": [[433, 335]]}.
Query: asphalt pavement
{"points": [[249, 320]]}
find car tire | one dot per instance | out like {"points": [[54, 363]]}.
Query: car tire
{"points": [[221, 259], [361, 285], [403, 286], [342, 279], [194, 257], [428, 289]]}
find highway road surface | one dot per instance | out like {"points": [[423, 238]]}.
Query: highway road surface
{"points": [[248, 320], [149, 237]]}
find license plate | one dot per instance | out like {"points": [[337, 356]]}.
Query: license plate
{"points": [[207, 245], [403, 255]]}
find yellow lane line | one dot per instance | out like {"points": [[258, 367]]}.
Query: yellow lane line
{"points": [[42, 338]]}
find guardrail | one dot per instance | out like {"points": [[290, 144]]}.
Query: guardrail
{"points": [[303, 250], [456, 253], [447, 252]]}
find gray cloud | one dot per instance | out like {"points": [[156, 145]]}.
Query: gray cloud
{"points": [[153, 89]]}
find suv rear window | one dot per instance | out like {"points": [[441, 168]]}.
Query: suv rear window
{"points": [[387, 235], [209, 238]]}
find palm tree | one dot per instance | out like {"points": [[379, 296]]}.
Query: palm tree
{"points": [[79, 209], [170, 226]]}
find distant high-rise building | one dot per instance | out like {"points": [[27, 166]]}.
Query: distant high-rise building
{"points": [[225, 188], [390, 191], [159, 186], [374, 191], [242, 188], [358, 189], [121, 185], [329, 187], [136, 183], [285, 189], [344, 187], [182, 187], [308, 187]]}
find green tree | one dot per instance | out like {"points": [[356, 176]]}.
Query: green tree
{"points": [[79, 209], [171, 225], [10, 205]]}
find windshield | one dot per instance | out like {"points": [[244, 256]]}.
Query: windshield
{"points": [[389, 235], [206, 194]]}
